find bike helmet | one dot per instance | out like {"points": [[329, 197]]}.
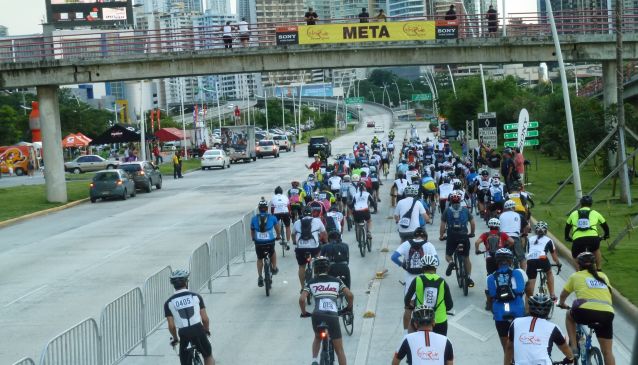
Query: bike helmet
{"points": [[541, 228], [586, 201], [496, 180], [494, 223], [279, 190], [540, 305], [320, 264], [509, 205], [307, 211], [295, 184], [423, 315], [262, 206], [356, 178], [334, 235], [311, 177], [586, 259], [458, 185], [179, 277], [411, 190], [485, 173], [420, 232], [503, 254], [455, 198], [430, 261], [346, 178]]}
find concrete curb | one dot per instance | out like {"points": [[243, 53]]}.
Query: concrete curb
{"points": [[40, 213], [619, 300]]}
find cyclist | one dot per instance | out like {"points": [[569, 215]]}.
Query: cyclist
{"points": [[374, 178], [419, 346], [326, 289], [408, 212], [360, 206], [482, 190], [428, 189], [593, 304], [493, 240], [391, 134], [496, 193], [309, 187], [307, 233], [445, 189], [532, 337], [537, 250], [457, 185], [334, 182], [296, 198], [279, 206], [338, 253], [334, 219], [505, 289], [344, 190], [264, 230], [431, 290], [520, 198], [454, 221], [582, 228], [515, 226], [397, 189], [186, 315]]}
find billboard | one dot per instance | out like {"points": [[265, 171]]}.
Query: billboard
{"points": [[74, 13]]}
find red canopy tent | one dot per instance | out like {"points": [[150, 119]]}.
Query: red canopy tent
{"points": [[73, 140], [170, 134], [83, 137]]}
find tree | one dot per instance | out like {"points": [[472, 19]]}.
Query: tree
{"points": [[9, 126]]}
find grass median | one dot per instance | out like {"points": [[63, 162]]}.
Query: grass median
{"points": [[26, 199], [187, 165]]}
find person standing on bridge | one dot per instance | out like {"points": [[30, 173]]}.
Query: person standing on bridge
{"points": [[381, 16], [364, 16], [450, 14], [244, 32], [492, 21], [227, 35], [311, 17]]}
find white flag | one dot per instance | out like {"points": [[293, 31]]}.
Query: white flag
{"points": [[523, 124]]}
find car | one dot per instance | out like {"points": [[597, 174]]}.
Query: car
{"points": [[282, 142], [378, 129], [319, 143], [88, 163], [115, 183], [259, 136], [370, 123], [145, 174], [215, 158], [267, 147]]}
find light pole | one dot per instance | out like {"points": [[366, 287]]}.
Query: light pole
{"points": [[398, 92], [374, 100], [219, 111], [114, 110], [483, 85], [452, 80], [142, 122], [181, 96]]}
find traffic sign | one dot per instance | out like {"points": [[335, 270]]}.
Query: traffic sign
{"points": [[528, 142], [421, 97], [513, 126], [357, 100], [514, 135]]}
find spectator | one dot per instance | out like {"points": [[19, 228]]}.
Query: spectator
{"points": [[493, 162], [519, 163], [293, 140], [364, 16], [507, 168], [157, 155], [311, 17], [177, 165], [450, 14], [244, 32], [30, 168], [381, 16], [492, 21], [227, 35]]}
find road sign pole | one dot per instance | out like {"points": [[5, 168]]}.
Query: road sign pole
{"points": [[484, 92]]}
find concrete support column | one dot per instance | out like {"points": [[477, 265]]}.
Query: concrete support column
{"points": [[52, 144], [610, 97]]}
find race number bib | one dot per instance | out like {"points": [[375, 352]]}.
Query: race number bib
{"points": [[583, 223], [327, 305], [404, 222], [595, 284], [263, 235], [533, 255], [429, 297]]}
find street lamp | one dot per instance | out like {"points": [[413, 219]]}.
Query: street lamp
{"points": [[373, 98], [398, 92]]}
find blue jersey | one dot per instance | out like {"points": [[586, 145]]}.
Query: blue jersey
{"points": [[514, 308], [470, 178], [267, 235], [402, 167]]}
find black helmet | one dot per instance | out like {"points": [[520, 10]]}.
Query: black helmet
{"points": [[540, 305], [334, 235], [586, 259], [457, 185], [420, 232], [279, 190], [423, 315], [179, 277], [307, 211], [262, 206], [320, 264], [586, 201], [515, 185]]}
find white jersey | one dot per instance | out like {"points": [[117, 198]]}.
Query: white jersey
{"points": [[402, 208], [401, 184], [335, 182], [445, 190], [361, 201], [316, 228], [184, 307], [538, 247], [425, 348], [279, 203], [532, 337], [510, 223], [337, 217], [366, 170], [410, 173]]}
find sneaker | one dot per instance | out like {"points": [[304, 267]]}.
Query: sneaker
{"points": [[260, 282], [275, 270], [287, 247], [451, 267], [315, 363], [470, 282]]}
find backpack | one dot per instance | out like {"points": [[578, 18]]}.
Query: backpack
{"points": [[583, 223], [412, 263], [497, 196], [504, 290], [493, 242], [457, 219], [263, 219], [306, 229], [406, 219]]}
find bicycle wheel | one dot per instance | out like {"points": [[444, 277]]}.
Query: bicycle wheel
{"points": [[325, 357], [457, 263], [466, 283], [360, 237], [369, 242], [195, 358], [308, 276], [594, 357], [349, 221], [267, 276], [348, 322]]}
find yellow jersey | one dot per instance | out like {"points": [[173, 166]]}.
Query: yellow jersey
{"points": [[595, 219], [586, 287], [518, 200]]}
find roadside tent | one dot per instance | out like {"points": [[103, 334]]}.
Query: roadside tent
{"points": [[83, 137], [119, 134], [74, 141], [170, 134]]}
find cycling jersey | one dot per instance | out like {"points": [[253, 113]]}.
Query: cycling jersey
{"points": [[520, 201], [316, 228], [402, 168], [514, 308], [326, 290], [432, 291], [510, 223], [403, 206], [410, 173], [538, 248], [335, 183], [428, 184], [184, 307], [496, 191], [484, 184], [333, 220], [361, 201], [401, 184], [263, 225], [425, 348], [596, 295], [345, 188], [296, 196], [595, 219], [533, 339], [445, 190], [279, 204]]}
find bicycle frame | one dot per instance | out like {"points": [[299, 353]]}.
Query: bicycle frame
{"points": [[327, 350]]}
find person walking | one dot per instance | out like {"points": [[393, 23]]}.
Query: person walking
{"points": [[364, 16], [519, 164], [244, 32], [30, 168], [311, 17], [227, 35], [157, 155], [177, 166], [508, 170], [492, 21], [582, 228], [293, 140], [450, 14]]}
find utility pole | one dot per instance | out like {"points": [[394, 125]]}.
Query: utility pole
{"points": [[625, 188]]}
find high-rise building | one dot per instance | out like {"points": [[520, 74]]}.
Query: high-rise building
{"points": [[247, 9], [219, 6], [4, 31], [351, 8]]}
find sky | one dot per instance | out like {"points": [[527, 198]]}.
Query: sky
{"points": [[25, 16]]}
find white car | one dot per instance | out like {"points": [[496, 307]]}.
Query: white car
{"points": [[215, 158], [378, 128], [282, 142]]}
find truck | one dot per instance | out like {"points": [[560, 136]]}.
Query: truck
{"points": [[17, 157], [239, 142]]}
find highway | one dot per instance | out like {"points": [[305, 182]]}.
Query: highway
{"points": [[59, 269]]}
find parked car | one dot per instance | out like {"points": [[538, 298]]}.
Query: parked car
{"points": [[111, 184], [215, 158], [370, 123], [267, 147], [319, 143], [144, 174], [378, 128], [282, 142], [88, 163]]}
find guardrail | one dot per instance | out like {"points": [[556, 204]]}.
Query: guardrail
{"points": [[128, 320]]}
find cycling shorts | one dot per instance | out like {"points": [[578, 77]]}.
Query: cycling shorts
{"points": [[503, 327], [537, 264], [385, 161], [195, 335], [480, 195], [336, 193], [283, 217], [490, 264], [341, 271], [264, 249], [331, 320], [361, 216], [300, 254], [604, 321], [582, 244], [453, 240]]}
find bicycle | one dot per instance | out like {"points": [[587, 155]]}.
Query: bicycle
{"points": [[459, 263], [308, 274], [542, 284], [192, 355], [267, 275], [327, 351], [363, 239], [283, 243], [586, 352], [346, 316]]}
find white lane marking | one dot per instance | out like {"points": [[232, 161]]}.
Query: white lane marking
{"points": [[26, 295], [455, 323]]}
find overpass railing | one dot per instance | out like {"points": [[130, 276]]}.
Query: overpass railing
{"points": [[127, 321], [100, 44]]}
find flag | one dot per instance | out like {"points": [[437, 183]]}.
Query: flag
{"points": [[152, 120], [159, 122], [523, 122], [195, 115]]}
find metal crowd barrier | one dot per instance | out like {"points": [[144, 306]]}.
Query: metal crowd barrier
{"points": [[25, 361], [156, 289], [78, 345], [122, 326], [247, 239], [237, 240], [219, 253], [199, 267]]}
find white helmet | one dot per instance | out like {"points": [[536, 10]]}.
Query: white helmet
{"points": [[356, 178], [494, 223], [411, 190], [509, 204], [429, 261]]}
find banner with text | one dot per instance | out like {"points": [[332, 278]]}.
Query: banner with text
{"points": [[366, 32], [487, 131]]}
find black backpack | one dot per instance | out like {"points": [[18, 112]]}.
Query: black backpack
{"points": [[412, 263], [504, 290], [583, 223], [306, 229]]}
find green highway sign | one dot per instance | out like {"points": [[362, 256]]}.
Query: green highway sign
{"points": [[514, 135], [421, 97], [513, 126], [528, 142], [359, 100]]}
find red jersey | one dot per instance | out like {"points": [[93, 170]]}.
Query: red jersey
{"points": [[502, 241]]}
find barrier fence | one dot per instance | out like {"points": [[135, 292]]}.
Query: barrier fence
{"points": [[126, 322]]}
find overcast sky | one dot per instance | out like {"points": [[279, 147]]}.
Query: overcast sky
{"points": [[25, 16]]}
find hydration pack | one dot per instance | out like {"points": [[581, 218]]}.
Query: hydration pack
{"points": [[306, 229], [583, 223], [504, 290], [412, 262], [493, 242]]}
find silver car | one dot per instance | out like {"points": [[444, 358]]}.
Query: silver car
{"points": [[215, 158], [90, 163]]}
